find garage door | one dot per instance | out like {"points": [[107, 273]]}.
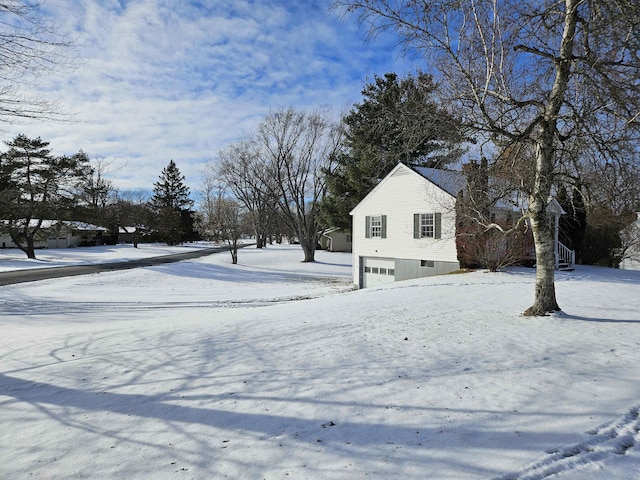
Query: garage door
{"points": [[377, 272]]}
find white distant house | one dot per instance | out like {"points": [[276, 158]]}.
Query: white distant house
{"points": [[62, 234], [406, 227], [631, 244]]}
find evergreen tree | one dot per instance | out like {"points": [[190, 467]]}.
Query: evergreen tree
{"points": [[36, 186], [399, 120], [172, 206], [170, 190]]}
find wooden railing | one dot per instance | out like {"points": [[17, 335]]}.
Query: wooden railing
{"points": [[565, 256]]}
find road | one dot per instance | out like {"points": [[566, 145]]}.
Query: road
{"points": [[35, 274]]}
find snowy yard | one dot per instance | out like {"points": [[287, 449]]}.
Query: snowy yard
{"points": [[277, 369]]}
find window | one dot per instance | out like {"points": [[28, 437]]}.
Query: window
{"points": [[367, 269], [427, 225], [374, 269], [391, 271], [383, 271], [376, 226], [427, 263]]}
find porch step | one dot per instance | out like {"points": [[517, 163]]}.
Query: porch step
{"points": [[566, 267]]}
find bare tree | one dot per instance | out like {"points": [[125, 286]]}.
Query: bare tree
{"points": [[538, 74], [130, 213], [295, 149], [206, 208], [96, 193], [96, 189], [30, 46], [221, 218], [238, 167]]}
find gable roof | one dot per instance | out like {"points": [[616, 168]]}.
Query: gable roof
{"points": [[450, 181], [399, 166], [453, 182]]}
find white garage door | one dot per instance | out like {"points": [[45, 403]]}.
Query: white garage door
{"points": [[377, 272]]}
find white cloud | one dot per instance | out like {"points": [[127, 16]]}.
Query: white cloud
{"points": [[161, 80]]}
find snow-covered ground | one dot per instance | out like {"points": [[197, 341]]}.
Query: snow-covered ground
{"points": [[277, 369]]}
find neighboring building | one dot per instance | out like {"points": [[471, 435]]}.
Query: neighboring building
{"points": [[335, 240], [406, 227], [62, 234], [630, 237]]}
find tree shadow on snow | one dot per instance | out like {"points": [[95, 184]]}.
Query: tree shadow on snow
{"points": [[581, 318], [345, 439]]}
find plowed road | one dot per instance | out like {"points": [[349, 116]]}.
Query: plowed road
{"points": [[35, 274]]}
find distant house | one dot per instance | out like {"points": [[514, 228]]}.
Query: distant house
{"points": [[630, 237], [335, 240], [62, 234], [406, 226]]}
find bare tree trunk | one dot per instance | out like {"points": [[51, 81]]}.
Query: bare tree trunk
{"points": [[233, 250], [545, 293], [543, 236], [309, 249]]}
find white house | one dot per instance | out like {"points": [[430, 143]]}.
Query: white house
{"points": [[406, 227], [630, 237], [62, 234]]}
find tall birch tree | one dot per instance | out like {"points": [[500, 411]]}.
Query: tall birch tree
{"points": [[538, 73]]}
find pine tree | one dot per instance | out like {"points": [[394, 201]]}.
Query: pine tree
{"points": [[172, 206], [36, 186], [170, 190], [399, 120]]}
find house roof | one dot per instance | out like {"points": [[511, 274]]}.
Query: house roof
{"points": [[450, 181], [447, 180], [83, 226], [453, 182], [46, 224]]}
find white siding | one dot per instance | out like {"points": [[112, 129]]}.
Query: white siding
{"points": [[399, 196], [630, 264]]}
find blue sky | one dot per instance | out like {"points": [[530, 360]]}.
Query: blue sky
{"points": [[169, 79]]}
